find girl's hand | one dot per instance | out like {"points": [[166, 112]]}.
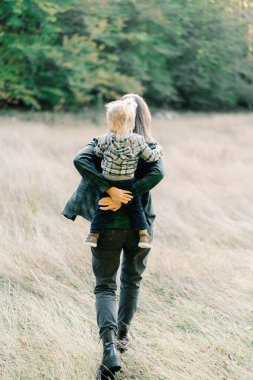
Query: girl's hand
{"points": [[108, 203], [159, 147], [119, 195]]}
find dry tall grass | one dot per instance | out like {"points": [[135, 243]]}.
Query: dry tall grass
{"points": [[194, 320]]}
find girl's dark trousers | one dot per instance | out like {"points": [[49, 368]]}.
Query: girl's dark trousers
{"points": [[134, 209], [105, 263]]}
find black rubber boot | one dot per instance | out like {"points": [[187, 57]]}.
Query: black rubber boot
{"points": [[111, 362], [123, 338]]}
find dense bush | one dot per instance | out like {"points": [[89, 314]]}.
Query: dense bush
{"points": [[62, 54]]}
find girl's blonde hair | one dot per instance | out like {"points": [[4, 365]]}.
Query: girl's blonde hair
{"points": [[143, 116], [121, 116]]}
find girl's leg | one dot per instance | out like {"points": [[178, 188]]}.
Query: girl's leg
{"points": [[97, 226], [137, 215], [99, 221]]}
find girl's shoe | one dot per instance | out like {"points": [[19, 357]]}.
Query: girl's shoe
{"points": [[145, 241], [91, 240]]}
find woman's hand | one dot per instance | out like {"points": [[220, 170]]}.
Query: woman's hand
{"points": [[119, 195], [108, 203]]}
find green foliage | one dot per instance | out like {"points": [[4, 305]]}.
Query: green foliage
{"points": [[61, 54]]}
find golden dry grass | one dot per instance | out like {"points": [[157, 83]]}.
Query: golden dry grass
{"points": [[194, 320]]}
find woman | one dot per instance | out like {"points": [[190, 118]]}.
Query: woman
{"points": [[117, 236]]}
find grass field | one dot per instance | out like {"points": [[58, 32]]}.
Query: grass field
{"points": [[195, 315]]}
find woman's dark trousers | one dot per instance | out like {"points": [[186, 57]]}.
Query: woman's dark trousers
{"points": [[105, 263]]}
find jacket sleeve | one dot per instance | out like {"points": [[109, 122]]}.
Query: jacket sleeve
{"points": [[152, 174], [85, 164], [148, 154], [100, 147]]}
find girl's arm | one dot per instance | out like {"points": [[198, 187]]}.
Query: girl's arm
{"points": [[152, 174], [101, 146], [148, 154]]}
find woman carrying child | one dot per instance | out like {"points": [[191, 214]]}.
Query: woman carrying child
{"points": [[118, 171]]}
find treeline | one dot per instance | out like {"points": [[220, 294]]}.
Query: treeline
{"points": [[64, 54]]}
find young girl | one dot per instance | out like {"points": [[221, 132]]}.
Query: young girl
{"points": [[120, 149]]}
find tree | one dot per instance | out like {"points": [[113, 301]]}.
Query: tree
{"points": [[179, 53]]}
